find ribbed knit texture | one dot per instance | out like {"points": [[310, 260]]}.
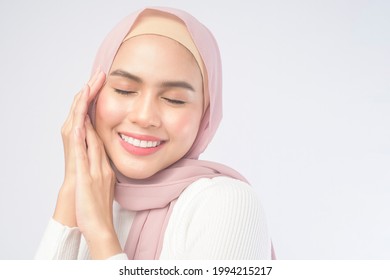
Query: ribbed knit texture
{"points": [[219, 218], [59, 242]]}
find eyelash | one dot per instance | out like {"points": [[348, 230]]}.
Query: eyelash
{"points": [[124, 92], [172, 101]]}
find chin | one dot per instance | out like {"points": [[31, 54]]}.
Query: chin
{"points": [[135, 173]]}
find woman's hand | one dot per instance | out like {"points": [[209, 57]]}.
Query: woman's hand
{"points": [[94, 194], [86, 196], [65, 211]]}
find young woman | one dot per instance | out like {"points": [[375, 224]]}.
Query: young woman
{"points": [[134, 187]]}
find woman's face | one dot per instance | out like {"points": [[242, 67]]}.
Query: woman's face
{"points": [[149, 111]]}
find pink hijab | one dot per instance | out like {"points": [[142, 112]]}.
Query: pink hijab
{"points": [[153, 198]]}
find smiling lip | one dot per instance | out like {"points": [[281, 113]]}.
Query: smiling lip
{"points": [[140, 145]]}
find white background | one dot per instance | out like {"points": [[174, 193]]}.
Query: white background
{"points": [[306, 113]]}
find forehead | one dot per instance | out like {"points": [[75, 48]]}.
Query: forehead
{"points": [[157, 55]]}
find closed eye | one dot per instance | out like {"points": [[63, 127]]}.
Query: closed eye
{"points": [[174, 101], [124, 92]]}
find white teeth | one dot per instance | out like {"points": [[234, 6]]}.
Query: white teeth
{"points": [[140, 143], [143, 144]]}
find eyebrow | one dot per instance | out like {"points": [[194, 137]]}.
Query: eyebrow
{"points": [[177, 84], [165, 84], [126, 75]]}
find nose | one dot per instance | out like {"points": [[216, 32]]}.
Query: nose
{"points": [[145, 112]]}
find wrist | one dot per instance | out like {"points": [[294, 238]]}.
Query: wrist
{"points": [[64, 212], [103, 245]]}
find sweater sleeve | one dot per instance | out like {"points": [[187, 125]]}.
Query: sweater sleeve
{"points": [[219, 218], [59, 242]]}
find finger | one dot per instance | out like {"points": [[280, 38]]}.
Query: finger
{"points": [[93, 84], [94, 76], [80, 156], [99, 164], [80, 111], [74, 103], [96, 85], [94, 149], [81, 104]]}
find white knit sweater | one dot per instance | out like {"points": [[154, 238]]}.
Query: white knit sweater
{"points": [[219, 218]]}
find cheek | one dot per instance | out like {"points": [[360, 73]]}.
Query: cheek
{"points": [[108, 112], [184, 126]]}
